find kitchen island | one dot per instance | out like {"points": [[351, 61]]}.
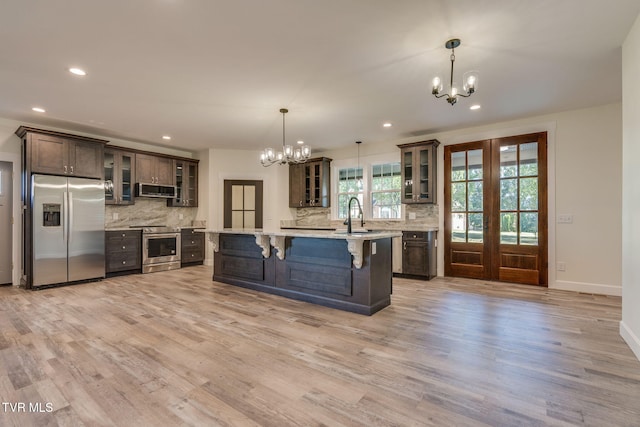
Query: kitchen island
{"points": [[349, 272]]}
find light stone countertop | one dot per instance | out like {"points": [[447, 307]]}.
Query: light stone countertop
{"points": [[266, 239], [360, 234]]}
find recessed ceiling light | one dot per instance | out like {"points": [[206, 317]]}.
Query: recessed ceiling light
{"points": [[38, 109], [301, 142], [387, 125], [475, 107], [167, 137], [78, 71]]}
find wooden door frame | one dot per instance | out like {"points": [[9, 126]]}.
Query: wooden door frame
{"points": [[493, 248], [228, 183]]}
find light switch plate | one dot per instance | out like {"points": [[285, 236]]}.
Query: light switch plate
{"points": [[565, 219]]}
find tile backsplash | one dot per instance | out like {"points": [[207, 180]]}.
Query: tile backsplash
{"points": [[426, 215], [148, 211]]}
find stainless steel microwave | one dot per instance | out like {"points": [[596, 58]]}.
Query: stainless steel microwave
{"points": [[156, 190]]}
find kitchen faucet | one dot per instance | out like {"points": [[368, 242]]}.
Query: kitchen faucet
{"points": [[347, 221]]}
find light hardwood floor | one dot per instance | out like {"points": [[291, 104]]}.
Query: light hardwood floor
{"points": [[175, 348]]}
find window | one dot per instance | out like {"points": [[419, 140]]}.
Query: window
{"points": [[349, 185], [385, 191]]}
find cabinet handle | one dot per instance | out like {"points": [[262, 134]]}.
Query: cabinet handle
{"points": [[193, 242], [404, 246], [124, 247], [124, 234], [65, 169], [124, 262], [71, 169]]}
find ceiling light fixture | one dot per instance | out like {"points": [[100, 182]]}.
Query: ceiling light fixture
{"points": [[475, 107], [167, 137], [38, 109], [288, 155], [77, 71], [387, 125], [470, 79]]}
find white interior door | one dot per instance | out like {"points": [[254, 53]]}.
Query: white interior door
{"points": [[6, 206]]}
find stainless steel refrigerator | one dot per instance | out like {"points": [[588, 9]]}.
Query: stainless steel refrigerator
{"points": [[68, 229]]}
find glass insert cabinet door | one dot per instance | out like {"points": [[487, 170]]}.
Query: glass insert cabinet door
{"points": [[419, 160], [496, 209], [119, 175]]}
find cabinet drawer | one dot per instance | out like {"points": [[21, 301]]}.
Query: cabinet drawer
{"points": [[122, 261], [192, 255], [415, 235], [195, 240]]}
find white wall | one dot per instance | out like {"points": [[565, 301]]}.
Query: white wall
{"points": [[630, 324]]}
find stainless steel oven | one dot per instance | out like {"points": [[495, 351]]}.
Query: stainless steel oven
{"points": [[160, 249]]}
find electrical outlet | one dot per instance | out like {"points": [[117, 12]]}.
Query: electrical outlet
{"points": [[180, 216], [412, 215], [565, 219], [115, 216], [561, 266]]}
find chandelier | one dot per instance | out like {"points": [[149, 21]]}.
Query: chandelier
{"points": [[470, 79], [288, 154]]}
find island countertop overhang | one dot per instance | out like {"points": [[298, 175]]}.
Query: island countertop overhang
{"points": [[322, 234]]}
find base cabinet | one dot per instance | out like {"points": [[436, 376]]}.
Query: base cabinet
{"points": [[123, 252], [192, 247], [419, 254]]}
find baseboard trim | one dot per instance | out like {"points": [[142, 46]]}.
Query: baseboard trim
{"points": [[630, 338], [588, 288]]}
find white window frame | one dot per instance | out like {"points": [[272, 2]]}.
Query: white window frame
{"points": [[366, 163]]}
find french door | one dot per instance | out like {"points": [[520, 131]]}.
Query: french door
{"points": [[495, 198]]}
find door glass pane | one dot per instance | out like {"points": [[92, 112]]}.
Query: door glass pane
{"points": [[475, 228], [249, 219], [508, 194], [458, 197], [529, 159], [475, 196], [458, 170], [475, 164], [508, 161], [249, 198], [237, 219], [508, 228], [529, 228], [126, 183], [458, 227], [237, 197], [528, 194]]}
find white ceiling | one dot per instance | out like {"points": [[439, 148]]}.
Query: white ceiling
{"points": [[215, 73]]}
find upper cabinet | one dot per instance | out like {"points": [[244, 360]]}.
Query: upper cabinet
{"points": [[119, 173], [57, 153], [418, 163], [154, 170], [186, 176], [310, 183]]}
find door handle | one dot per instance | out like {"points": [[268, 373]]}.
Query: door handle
{"points": [[71, 167], [404, 246], [70, 195]]}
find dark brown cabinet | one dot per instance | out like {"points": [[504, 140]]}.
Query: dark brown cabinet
{"points": [[192, 247], [123, 250], [310, 184], [418, 163], [186, 175], [56, 153], [419, 254], [154, 170], [119, 174]]}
